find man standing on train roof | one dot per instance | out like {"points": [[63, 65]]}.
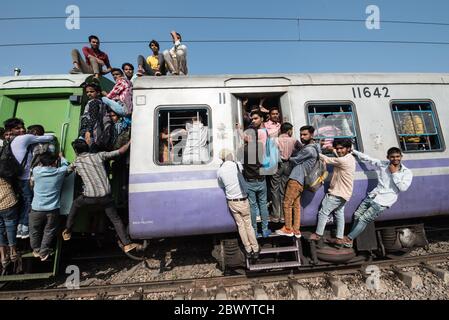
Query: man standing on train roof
{"points": [[153, 65], [340, 190], [95, 59], [22, 149], [176, 57], [120, 98], [302, 162], [393, 177], [97, 190]]}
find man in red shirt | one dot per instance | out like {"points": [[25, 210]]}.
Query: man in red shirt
{"points": [[95, 59]]}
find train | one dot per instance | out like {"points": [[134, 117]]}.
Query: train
{"points": [[171, 198]]}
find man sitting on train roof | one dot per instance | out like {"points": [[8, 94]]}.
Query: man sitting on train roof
{"points": [[176, 57], [393, 178], [120, 98], [97, 190], [153, 65], [95, 59], [21, 146]]}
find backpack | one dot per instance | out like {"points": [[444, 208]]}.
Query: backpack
{"points": [[10, 168], [105, 131], [314, 179], [271, 156]]}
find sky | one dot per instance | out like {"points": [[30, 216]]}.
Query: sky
{"points": [[243, 57]]}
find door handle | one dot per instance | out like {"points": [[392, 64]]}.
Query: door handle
{"points": [[63, 135]]}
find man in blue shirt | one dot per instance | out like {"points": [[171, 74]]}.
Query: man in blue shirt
{"points": [[48, 180]]}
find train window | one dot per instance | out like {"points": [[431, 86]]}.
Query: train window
{"points": [[416, 126], [333, 121], [183, 136]]}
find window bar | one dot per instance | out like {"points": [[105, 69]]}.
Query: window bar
{"points": [[170, 150], [425, 128]]}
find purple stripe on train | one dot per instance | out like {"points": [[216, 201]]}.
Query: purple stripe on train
{"points": [[204, 211], [212, 174]]}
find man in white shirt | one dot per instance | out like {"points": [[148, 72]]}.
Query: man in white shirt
{"points": [[393, 177], [176, 57], [231, 180]]}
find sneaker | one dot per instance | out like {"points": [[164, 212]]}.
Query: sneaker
{"points": [[25, 232], [314, 237], [19, 231], [297, 234], [284, 231], [258, 235], [347, 242], [36, 254], [132, 246], [75, 71], [256, 254], [266, 233], [45, 257], [258, 219], [66, 235]]}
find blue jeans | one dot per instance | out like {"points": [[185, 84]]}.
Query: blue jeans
{"points": [[335, 205], [257, 196], [118, 108], [27, 198], [8, 225], [366, 213]]}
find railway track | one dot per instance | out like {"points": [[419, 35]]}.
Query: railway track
{"points": [[218, 287]]}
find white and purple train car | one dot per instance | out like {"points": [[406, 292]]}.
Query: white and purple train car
{"points": [[169, 198]]}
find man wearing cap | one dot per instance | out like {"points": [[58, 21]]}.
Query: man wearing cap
{"points": [[231, 180]]}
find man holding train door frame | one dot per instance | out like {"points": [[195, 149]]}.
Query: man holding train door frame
{"points": [[393, 177]]}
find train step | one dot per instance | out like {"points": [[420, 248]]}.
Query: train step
{"points": [[278, 249], [281, 247], [274, 265]]}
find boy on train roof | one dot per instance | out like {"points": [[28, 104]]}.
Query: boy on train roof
{"points": [[153, 65], [95, 59], [340, 190], [393, 178], [97, 190]]}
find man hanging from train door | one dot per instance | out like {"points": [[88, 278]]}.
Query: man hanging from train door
{"points": [[303, 162], [340, 190], [393, 178]]}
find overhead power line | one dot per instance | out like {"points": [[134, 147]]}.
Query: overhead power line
{"points": [[225, 18], [233, 41]]}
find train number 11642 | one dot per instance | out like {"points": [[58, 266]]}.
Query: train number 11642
{"points": [[367, 92]]}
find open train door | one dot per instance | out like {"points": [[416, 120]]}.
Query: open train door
{"points": [[56, 116]]}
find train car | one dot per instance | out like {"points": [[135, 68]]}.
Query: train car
{"points": [[170, 198], [56, 102]]}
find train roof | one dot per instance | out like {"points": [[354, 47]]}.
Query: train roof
{"points": [[232, 80], [244, 80], [43, 81]]}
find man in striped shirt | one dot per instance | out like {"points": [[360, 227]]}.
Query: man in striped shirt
{"points": [[97, 189]]}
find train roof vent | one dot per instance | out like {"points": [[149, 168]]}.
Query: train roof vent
{"points": [[257, 82]]}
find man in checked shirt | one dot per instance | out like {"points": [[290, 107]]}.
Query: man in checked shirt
{"points": [[97, 190]]}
